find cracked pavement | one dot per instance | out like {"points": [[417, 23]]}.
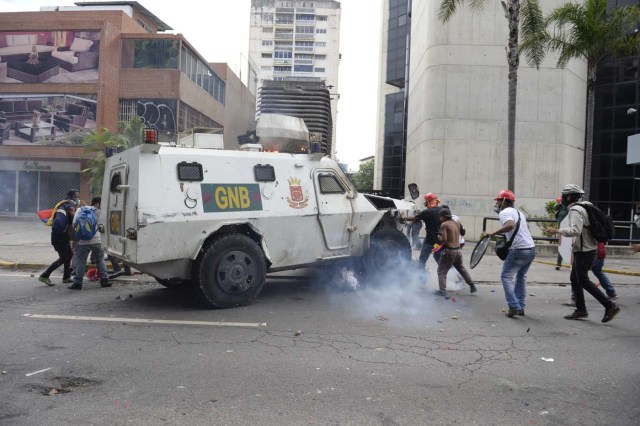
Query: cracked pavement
{"points": [[324, 357]]}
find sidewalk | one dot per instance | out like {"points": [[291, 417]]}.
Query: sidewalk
{"points": [[25, 244]]}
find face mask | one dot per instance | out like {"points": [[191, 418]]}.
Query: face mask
{"points": [[496, 208], [76, 201]]}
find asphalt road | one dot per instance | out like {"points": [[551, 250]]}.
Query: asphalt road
{"points": [[307, 354]]}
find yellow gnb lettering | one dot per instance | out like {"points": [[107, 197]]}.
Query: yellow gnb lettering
{"points": [[245, 201], [221, 197], [233, 197]]}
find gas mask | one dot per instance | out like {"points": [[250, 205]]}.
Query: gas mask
{"points": [[76, 201], [497, 207]]}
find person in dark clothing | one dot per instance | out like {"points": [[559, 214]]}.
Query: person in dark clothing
{"points": [[431, 218], [61, 243], [584, 255], [561, 213]]}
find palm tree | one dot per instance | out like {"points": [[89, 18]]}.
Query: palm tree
{"points": [[96, 144], [531, 22], [592, 32]]}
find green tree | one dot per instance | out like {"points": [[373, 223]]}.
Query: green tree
{"points": [[363, 178], [96, 143], [592, 32], [531, 22]]}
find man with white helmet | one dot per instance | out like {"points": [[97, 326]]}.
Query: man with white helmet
{"points": [[521, 252], [584, 254]]}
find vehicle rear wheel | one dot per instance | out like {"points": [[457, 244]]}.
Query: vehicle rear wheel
{"points": [[174, 283], [388, 251], [230, 271]]}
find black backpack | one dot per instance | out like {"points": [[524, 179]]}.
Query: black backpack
{"points": [[600, 224]]}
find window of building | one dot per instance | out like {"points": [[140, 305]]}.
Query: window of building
{"points": [[303, 68], [267, 17], [267, 42], [321, 57], [279, 54], [321, 17], [150, 53], [284, 45], [304, 56], [319, 69], [305, 17], [265, 68], [267, 29], [321, 31], [144, 25], [305, 46], [280, 68], [200, 73], [321, 44], [266, 55], [304, 30]]}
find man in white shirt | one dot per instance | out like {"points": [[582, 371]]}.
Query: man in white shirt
{"points": [[584, 254], [521, 252]]}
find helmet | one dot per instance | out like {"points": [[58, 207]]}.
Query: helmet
{"points": [[71, 192], [572, 188], [506, 194], [558, 200], [430, 197]]}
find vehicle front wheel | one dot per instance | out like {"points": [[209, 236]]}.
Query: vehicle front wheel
{"points": [[230, 271], [389, 250]]}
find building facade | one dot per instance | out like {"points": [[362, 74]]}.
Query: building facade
{"points": [[96, 66], [296, 40], [457, 115], [391, 133]]}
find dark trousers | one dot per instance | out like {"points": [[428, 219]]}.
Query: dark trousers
{"points": [[425, 252], [451, 258], [580, 281], [63, 248]]}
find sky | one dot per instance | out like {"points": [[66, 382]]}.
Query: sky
{"points": [[219, 31]]}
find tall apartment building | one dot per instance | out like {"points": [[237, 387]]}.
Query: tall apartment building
{"points": [[296, 40], [98, 65], [391, 134]]}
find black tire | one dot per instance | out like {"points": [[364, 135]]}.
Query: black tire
{"points": [[174, 283], [390, 249], [229, 272]]}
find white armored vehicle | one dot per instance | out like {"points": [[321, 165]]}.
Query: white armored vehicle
{"points": [[219, 220]]}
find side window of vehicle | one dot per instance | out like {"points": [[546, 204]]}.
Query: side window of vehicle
{"points": [[190, 172], [115, 181], [329, 184], [264, 173]]}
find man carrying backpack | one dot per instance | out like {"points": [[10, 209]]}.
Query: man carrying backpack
{"points": [[60, 224], [85, 226], [584, 253]]}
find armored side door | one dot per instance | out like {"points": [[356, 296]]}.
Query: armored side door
{"points": [[116, 210], [335, 212]]}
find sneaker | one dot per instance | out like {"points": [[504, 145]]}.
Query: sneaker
{"points": [[472, 288], [75, 287], [513, 312], [577, 315], [613, 297], [45, 280], [440, 293], [104, 283], [67, 280], [611, 312], [128, 273], [558, 268], [571, 303]]}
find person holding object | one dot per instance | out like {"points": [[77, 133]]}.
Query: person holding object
{"points": [[584, 255], [431, 218], [521, 252], [451, 253]]}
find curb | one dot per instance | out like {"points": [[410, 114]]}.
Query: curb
{"points": [[607, 270], [6, 264]]}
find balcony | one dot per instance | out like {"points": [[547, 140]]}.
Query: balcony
{"points": [[305, 36], [285, 36], [283, 61]]}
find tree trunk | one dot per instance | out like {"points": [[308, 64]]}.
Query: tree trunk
{"points": [[588, 146], [513, 59]]}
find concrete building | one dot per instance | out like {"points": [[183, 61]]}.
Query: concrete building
{"points": [[296, 40], [98, 65], [457, 115]]}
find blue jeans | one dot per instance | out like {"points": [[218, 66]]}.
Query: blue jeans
{"points": [[516, 264], [596, 268], [425, 252], [81, 255]]}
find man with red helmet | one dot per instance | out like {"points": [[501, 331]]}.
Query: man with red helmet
{"points": [[521, 252], [431, 218]]}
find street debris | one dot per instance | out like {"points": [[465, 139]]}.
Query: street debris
{"points": [[4, 372], [264, 324], [37, 372], [547, 359], [454, 317], [531, 294], [453, 299], [297, 333], [382, 318], [345, 279], [53, 392], [528, 329]]}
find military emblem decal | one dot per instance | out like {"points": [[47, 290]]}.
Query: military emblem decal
{"points": [[297, 200]]}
